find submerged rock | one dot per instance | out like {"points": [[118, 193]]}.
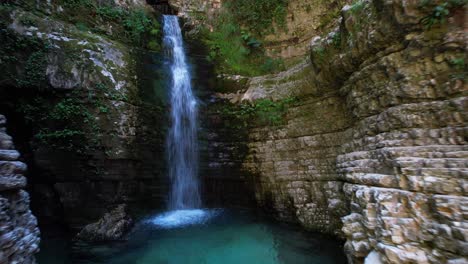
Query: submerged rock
{"points": [[112, 226]]}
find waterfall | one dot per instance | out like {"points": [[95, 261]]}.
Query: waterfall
{"points": [[182, 138]]}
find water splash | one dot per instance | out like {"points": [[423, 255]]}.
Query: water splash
{"points": [[182, 138], [182, 218]]}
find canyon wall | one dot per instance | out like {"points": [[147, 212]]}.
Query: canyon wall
{"points": [[19, 234], [85, 103], [290, 42], [372, 148], [375, 147]]}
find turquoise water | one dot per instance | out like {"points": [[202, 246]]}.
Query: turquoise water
{"points": [[212, 237]]}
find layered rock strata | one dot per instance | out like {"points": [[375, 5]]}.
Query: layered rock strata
{"points": [[375, 149], [19, 234]]}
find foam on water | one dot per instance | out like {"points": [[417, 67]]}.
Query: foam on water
{"points": [[181, 218]]}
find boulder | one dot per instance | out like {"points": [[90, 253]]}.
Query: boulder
{"points": [[112, 226]]}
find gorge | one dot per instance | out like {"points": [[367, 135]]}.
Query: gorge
{"points": [[325, 126]]}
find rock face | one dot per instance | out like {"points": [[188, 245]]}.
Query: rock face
{"points": [[19, 234], [375, 149], [92, 135], [112, 226], [290, 42], [305, 19]]}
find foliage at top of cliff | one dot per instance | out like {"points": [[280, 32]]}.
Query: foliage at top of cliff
{"points": [[259, 16], [132, 25], [128, 24], [235, 40]]}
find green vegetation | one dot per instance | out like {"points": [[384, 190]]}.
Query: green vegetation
{"points": [[458, 63], [337, 40], [68, 121], [59, 124], [440, 12], [259, 16], [82, 26], [78, 3], [262, 112], [438, 16], [34, 71], [30, 50], [320, 52], [137, 23], [234, 43], [357, 7], [460, 68], [129, 25], [358, 15], [27, 20]]}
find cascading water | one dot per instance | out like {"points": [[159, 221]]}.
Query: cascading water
{"points": [[182, 138]]}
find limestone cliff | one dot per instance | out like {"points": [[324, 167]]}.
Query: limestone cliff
{"points": [[305, 19], [375, 148], [19, 235], [73, 91], [364, 138]]}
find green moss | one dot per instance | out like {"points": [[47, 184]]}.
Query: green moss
{"points": [[459, 63], [153, 45], [258, 16], [34, 71], [460, 68], [131, 25], [359, 17], [357, 7], [110, 12], [58, 123], [136, 24], [337, 40], [235, 50], [27, 20], [82, 26], [319, 54], [263, 112], [23, 60], [68, 121], [77, 3]]}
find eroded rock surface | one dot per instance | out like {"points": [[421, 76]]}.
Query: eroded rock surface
{"points": [[19, 234], [93, 78], [112, 226], [375, 150]]}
